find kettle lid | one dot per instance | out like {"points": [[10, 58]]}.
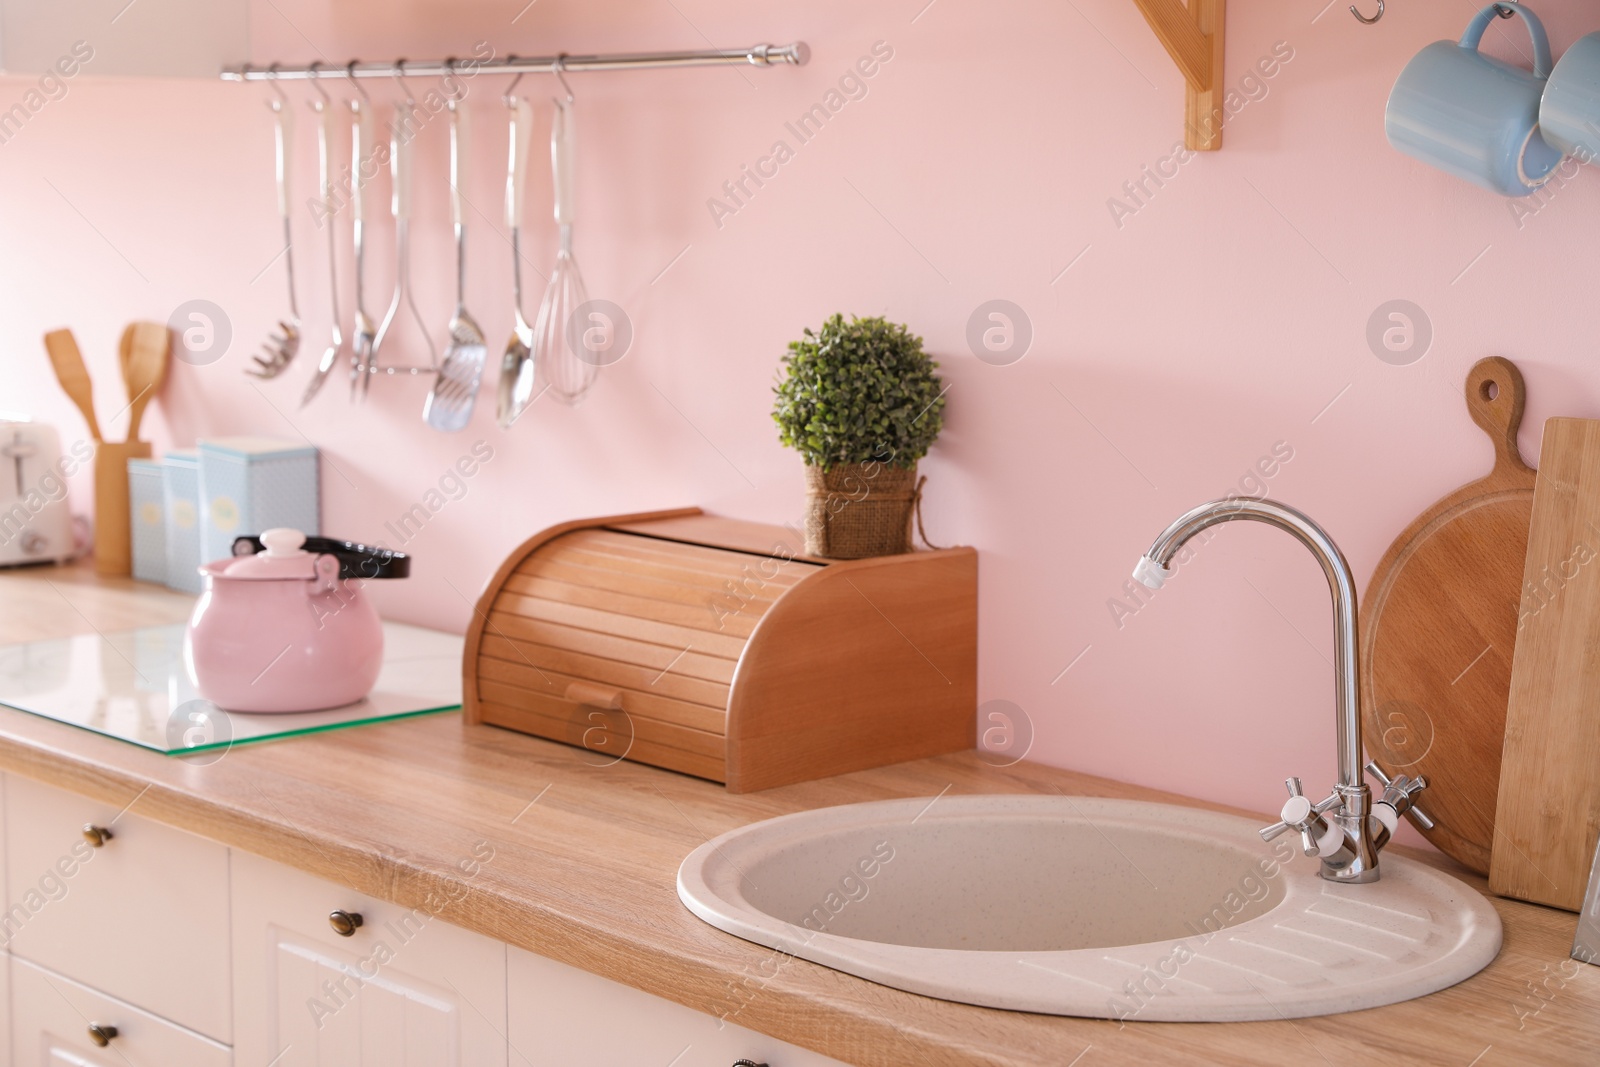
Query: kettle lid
{"points": [[284, 557]]}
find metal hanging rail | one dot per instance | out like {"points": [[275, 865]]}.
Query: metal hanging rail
{"points": [[761, 55]]}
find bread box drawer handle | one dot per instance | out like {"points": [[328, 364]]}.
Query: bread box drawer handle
{"points": [[597, 696]]}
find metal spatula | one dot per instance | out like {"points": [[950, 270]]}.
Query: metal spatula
{"points": [[455, 390], [365, 338]]}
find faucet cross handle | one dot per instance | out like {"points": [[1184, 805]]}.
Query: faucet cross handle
{"points": [[1400, 793], [1317, 837]]}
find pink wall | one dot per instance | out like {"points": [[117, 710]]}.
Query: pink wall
{"points": [[1221, 318]]}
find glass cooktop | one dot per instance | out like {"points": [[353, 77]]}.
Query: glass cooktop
{"points": [[131, 684]]}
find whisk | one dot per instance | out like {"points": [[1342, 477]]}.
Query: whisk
{"points": [[565, 365], [280, 348]]}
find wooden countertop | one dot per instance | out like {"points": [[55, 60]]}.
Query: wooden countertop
{"points": [[586, 859]]}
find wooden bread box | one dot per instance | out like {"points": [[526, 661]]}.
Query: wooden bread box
{"points": [[718, 648]]}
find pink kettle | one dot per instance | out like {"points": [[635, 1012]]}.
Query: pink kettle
{"points": [[287, 629]]}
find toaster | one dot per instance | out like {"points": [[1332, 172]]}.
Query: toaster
{"points": [[35, 524]]}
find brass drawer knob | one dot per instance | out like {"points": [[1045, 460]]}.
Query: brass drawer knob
{"points": [[101, 1035], [96, 835], [344, 923]]}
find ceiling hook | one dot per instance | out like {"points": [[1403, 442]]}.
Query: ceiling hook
{"points": [[313, 71], [556, 69], [506, 97], [1364, 18], [1505, 10]]}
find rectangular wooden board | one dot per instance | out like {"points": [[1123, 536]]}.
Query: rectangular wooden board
{"points": [[1548, 817]]}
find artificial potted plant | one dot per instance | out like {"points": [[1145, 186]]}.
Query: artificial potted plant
{"points": [[861, 403]]}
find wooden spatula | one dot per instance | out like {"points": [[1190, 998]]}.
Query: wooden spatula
{"points": [[73, 375], [125, 349], [146, 345]]}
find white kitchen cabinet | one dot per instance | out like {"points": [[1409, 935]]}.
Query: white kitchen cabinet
{"points": [[562, 1016], [184, 946], [143, 917], [402, 990], [54, 1017], [5, 944], [172, 38], [5, 1009]]}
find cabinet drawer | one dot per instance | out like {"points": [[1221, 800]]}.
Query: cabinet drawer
{"points": [[53, 1016], [143, 917], [403, 990], [562, 1016]]}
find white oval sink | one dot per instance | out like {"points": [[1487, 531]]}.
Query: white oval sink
{"points": [[1083, 906]]}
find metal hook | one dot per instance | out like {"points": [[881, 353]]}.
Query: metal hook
{"points": [[313, 71], [556, 68], [448, 79], [1364, 18], [400, 79], [272, 83], [350, 72], [1505, 11], [409, 100], [506, 98]]}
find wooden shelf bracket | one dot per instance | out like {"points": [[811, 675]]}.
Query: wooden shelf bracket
{"points": [[1193, 37]]}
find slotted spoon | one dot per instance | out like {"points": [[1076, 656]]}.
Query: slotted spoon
{"points": [[280, 348]]}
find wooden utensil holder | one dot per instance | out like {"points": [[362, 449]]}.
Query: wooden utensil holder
{"points": [[113, 531], [717, 648]]}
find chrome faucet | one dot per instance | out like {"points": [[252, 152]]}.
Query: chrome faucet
{"points": [[1355, 828]]}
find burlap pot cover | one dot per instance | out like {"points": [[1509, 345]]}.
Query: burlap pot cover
{"points": [[859, 509]]}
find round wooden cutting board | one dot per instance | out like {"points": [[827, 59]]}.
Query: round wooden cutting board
{"points": [[1438, 626]]}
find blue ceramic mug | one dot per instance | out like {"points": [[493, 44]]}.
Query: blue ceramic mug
{"points": [[1473, 116], [1570, 112]]}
